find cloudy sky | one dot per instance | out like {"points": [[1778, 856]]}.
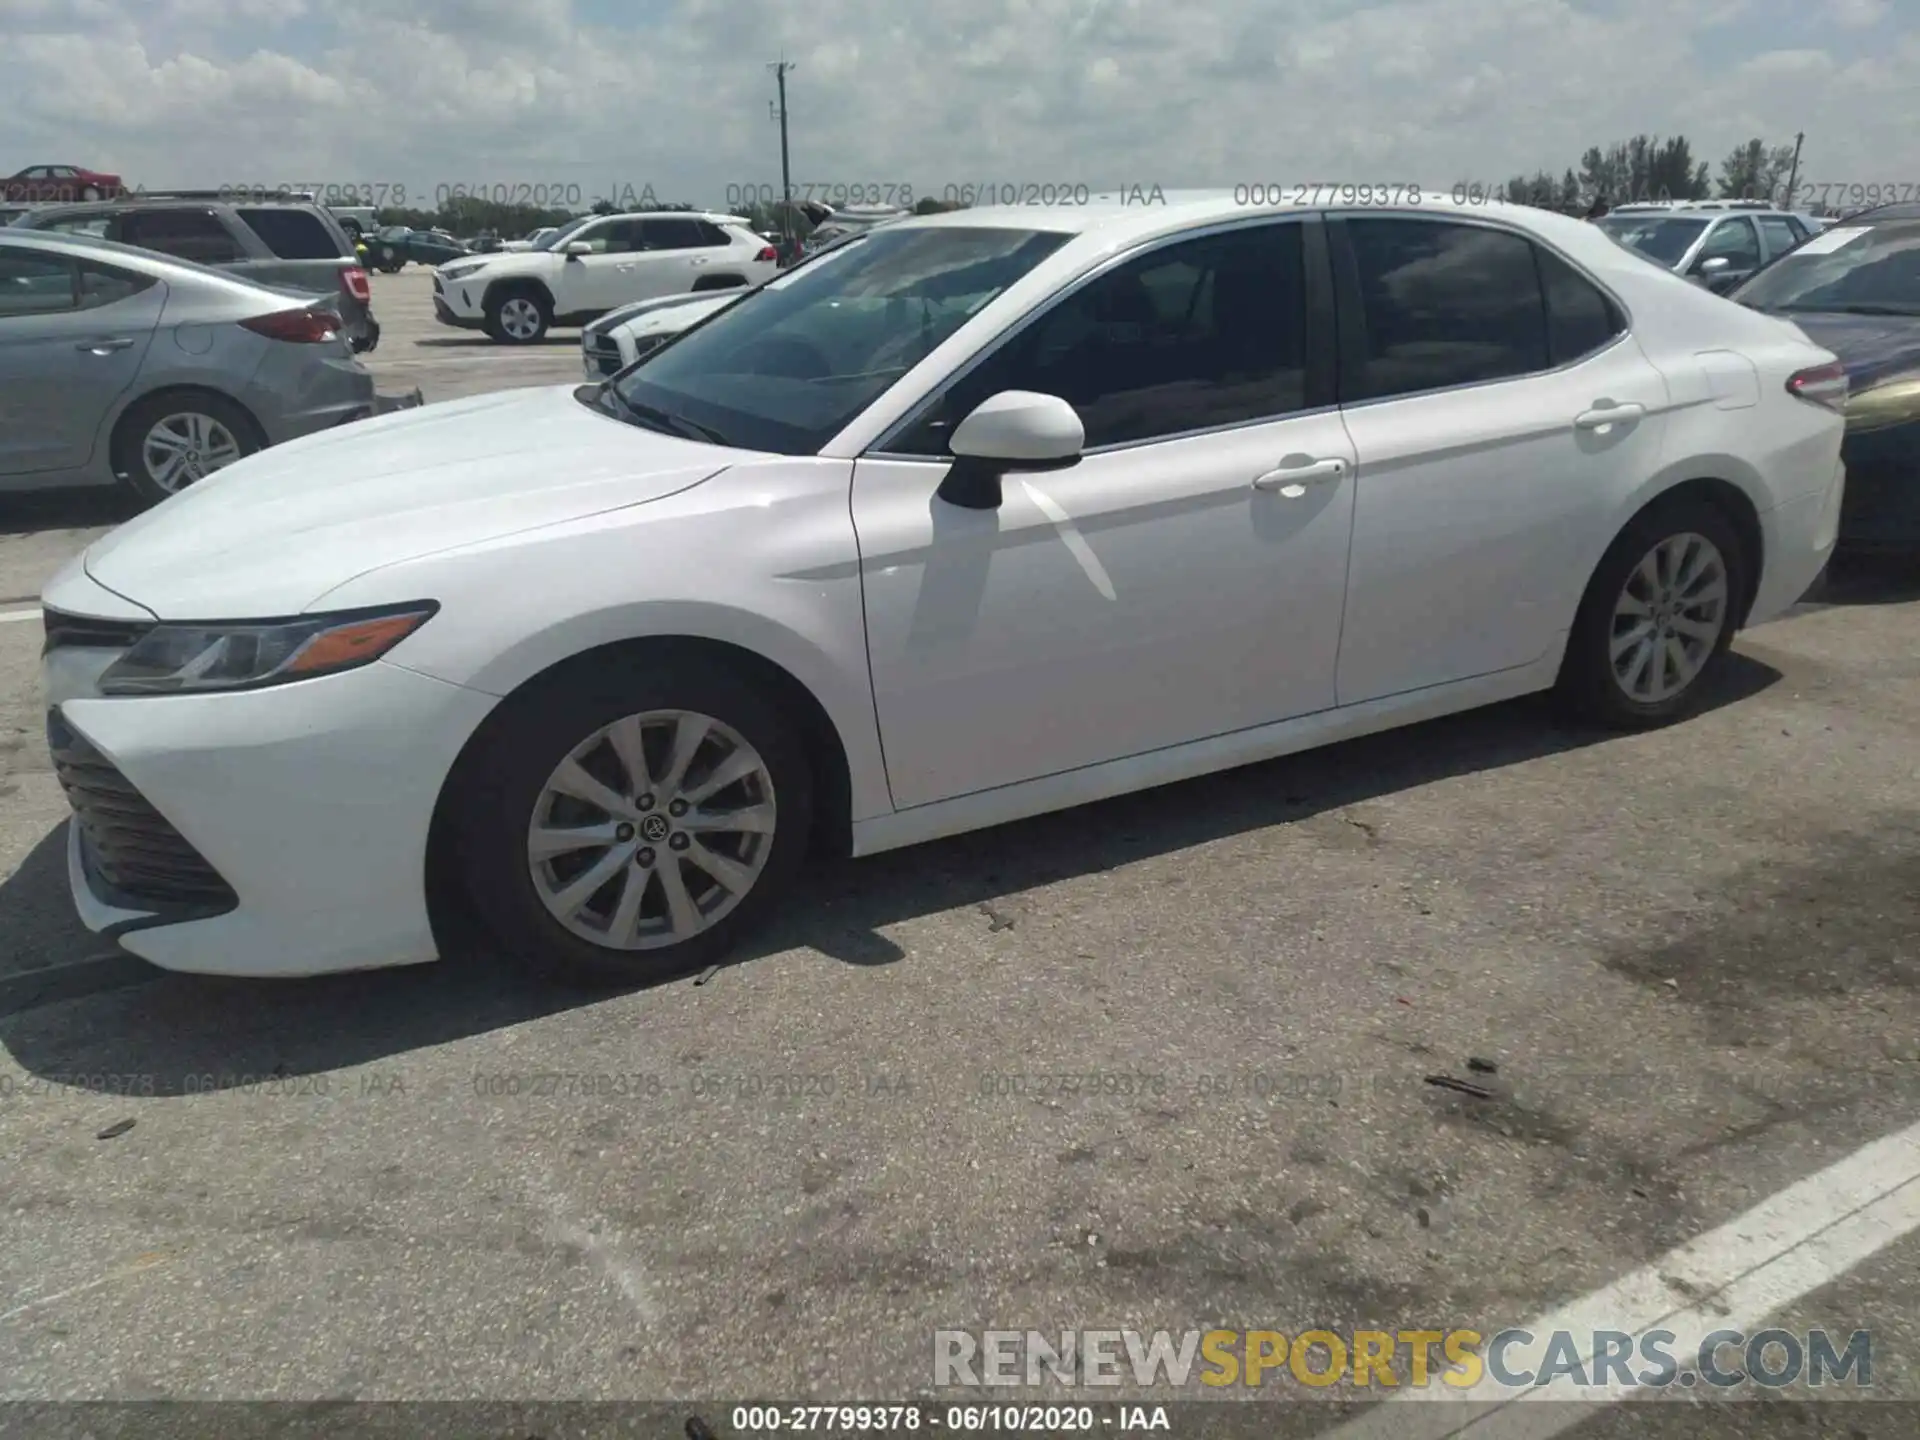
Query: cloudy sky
{"points": [[593, 96]]}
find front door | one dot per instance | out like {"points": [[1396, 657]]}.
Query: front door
{"points": [[1500, 414], [72, 339], [1183, 580]]}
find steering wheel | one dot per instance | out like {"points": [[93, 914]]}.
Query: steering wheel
{"points": [[790, 359]]}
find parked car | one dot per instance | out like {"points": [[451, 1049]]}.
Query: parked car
{"points": [[1719, 244], [42, 183], [11, 213], [621, 336], [530, 239], [1005, 510], [1856, 290], [101, 386], [394, 247], [288, 244], [598, 262], [356, 220]]}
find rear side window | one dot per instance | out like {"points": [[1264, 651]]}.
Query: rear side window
{"points": [[1442, 304], [191, 234], [34, 283], [94, 225], [1580, 317], [673, 234], [1781, 234], [711, 234], [106, 285], [292, 234]]}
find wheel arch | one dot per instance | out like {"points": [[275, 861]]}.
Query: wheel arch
{"points": [[1727, 483], [183, 390], [826, 749], [515, 284]]}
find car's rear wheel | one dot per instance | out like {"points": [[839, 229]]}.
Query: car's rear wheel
{"points": [[632, 823], [518, 317], [1658, 618], [165, 443], [90, 192]]}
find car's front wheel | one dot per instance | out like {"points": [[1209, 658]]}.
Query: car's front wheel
{"points": [[632, 822], [518, 317], [1658, 617]]}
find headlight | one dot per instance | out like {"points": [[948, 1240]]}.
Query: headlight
{"points": [[460, 272], [174, 659]]}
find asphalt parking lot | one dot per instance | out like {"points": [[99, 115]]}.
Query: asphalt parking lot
{"points": [[1161, 1063]]}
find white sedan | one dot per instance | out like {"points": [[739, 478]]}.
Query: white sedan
{"points": [[1002, 512]]}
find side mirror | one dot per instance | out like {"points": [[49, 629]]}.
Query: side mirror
{"points": [[577, 248], [1014, 430], [1713, 266]]}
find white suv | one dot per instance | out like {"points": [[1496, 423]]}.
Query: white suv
{"points": [[597, 263]]}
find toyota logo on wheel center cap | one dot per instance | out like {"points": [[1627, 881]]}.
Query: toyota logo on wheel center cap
{"points": [[654, 827]]}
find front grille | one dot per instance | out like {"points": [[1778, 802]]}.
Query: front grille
{"points": [[605, 354], [129, 845], [83, 631]]}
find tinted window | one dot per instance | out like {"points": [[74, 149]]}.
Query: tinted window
{"points": [[1662, 238], [293, 234], [35, 284], [1205, 333], [786, 367], [1781, 234], [95, 225], [1736, 242], [191, 234], [712, 234], [1444, 304], [102, 285], [1872, 270], [1580, 318], [672, 234]]}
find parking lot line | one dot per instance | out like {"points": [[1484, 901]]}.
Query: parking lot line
{"points": [[6, 615], [1789, 1245]]}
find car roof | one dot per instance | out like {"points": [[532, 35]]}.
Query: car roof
{"points": [[718, 217], [132, 257]]}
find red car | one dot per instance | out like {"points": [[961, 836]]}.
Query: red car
{"points": [[60, 182]]}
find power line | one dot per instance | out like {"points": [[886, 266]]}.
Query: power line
{"points": [[780, 69]]}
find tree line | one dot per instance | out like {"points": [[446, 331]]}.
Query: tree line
{"points": [[1647, 168]]}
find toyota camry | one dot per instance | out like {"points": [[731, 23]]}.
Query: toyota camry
{"points": [[997, 512]]}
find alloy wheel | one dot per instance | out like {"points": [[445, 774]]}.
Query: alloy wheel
{"points": [[520, 318], [183, 448], [652, 830], [1669, 618]]}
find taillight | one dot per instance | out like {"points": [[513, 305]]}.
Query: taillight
{"points": [[353, 280], [767, 255], [300, 327], [1821, 385]]}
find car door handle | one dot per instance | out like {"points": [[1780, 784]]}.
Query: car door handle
{"points": [[699, 259], [1602, 416], [1293, 479], [105, 347]]}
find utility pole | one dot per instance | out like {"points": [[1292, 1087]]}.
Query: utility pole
{"points": [[780, 69], [1793, 178]]}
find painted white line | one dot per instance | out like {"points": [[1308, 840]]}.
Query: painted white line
{"points": [[6, 615], [144, 1262], [1731, 1278]]}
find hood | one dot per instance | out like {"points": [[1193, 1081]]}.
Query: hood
{"points": [[699, 305], [272, 534], [1874, 348]]}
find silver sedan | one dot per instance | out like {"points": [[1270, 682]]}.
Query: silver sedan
{"points": [[120, 365]]}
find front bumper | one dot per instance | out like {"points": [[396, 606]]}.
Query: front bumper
{"points": [[309, 803], [446, 315]]}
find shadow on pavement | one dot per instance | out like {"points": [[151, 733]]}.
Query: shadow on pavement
{"points": [[173, 1026], [36, 511], [1867, 579]]}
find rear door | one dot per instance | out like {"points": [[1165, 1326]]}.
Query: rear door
{"points": [[1779, 234], [1499, 412], [677, 252], [73, 335]]}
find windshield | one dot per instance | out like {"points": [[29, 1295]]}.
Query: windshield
{"points": [[788, 367], [1867, 270], [547, 240], [1658, 237]]}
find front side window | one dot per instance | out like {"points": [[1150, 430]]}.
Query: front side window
{"points": [[35, 283], [1191, 336], [786, 367], [1736, 242], [1443, 304], [1861, 270]]}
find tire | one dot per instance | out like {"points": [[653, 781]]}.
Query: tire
{"points": [[1692, 534], [91, 192], [507, 788], [519, 316], [215, 431]]}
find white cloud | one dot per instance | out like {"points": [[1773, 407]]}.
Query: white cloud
{"points": [[1109, 92]]}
